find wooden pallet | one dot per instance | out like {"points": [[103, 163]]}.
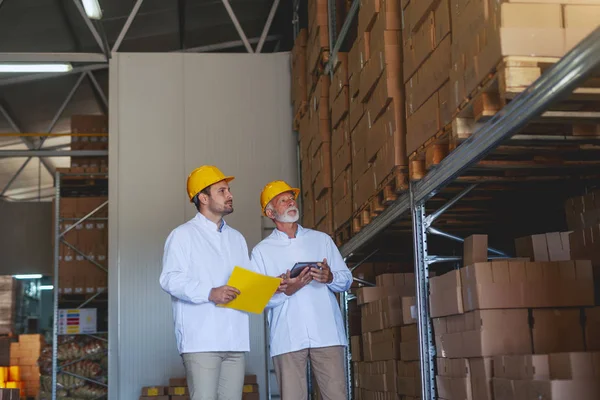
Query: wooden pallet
{"points": [[392, 186], [564, 138]]}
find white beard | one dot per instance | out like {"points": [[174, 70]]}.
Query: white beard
{"points": [[286, 217]]}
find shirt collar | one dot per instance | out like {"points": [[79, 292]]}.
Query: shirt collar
{"points": [[205, 222], [282, 235]]}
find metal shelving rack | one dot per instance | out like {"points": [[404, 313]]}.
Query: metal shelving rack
{"points": [[58, 239], [558, 82]]}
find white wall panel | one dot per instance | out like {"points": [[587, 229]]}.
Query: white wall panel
{"points": [[169, 114]]}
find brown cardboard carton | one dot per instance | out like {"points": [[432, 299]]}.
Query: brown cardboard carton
{"points": [[340, 74], [557, 330], [340, 136], [483, 334], [342, 211], [364, 188], [340, 107], [323, 207], [516, 284], [409, 347], [356, 348], [322, 164], [592, 328], [423, 124], [409, 310], [342, 160], [446, 295], [342, 186], [475, 249]]}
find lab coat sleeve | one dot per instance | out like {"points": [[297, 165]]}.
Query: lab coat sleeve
{"points": [[175, 278], [342, 277], [258, 265]]}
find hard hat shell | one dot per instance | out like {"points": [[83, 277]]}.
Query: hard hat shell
{"points": [[202, 177], [274, 189]]}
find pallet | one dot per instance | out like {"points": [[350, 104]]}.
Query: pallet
{"points": [[564, 138], [388, 191]]}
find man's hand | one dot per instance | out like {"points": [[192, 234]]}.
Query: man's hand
{"points": [[283, 284], [322, 275], [223, 294], [297, 283]]}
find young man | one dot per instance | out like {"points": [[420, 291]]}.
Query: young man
{"points": [[198, 259], [305, 321]]}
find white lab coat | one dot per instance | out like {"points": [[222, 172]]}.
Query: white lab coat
{"points": [[198, 257], [311, 317]]}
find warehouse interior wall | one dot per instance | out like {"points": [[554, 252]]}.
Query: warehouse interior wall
{"points": [[170, 113], [24, 231]]}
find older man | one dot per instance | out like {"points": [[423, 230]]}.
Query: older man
{"points": [[198, 259], [305, 319]]}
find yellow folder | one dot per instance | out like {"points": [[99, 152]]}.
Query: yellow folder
{"points": [[255, 290]]}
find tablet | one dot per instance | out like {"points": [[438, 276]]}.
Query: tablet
{"points": [[301, 266]]}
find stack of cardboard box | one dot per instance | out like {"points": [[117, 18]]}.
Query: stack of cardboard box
{"points": [[76, 274], [9, 287], [376, 98], [427, 56], [178, 390], [504, 308], [386, 354], [583, 219], [485, 31], [341, 148], [299, 83], [318, 37], [24, 368], [89, 125]]}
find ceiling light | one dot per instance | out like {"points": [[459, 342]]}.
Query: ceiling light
{"points": [[92, 9], [24, 68], [28, 276], [46, 287]]}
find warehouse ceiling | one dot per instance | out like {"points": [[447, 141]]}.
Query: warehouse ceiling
{"points": [[57, 30]]}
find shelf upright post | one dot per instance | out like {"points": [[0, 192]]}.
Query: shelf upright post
{"points": [[426, 345], [55, 292]]}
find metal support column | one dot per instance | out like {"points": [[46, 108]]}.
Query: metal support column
{"points": [[55, 294], [426, 344]]}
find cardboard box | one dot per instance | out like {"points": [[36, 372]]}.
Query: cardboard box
{"points": [[340, 74], [445, 297], [342, 212], [321, 163], [409, 310], [552, 246], [518, 284], [356, 348], [475, 249], [342, 187], [364, 188], [154, 391], [557, 330], [342, 160], [382, 345], [409, 347], [371, 294], [340, 136], [177, 382], [483, 333], [409, 378]]}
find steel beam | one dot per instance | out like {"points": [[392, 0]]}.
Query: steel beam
{"points": [[14, 177], [226, 45], [130, 18], [426, 345], [52, 153], [385, 219], [556, 83], [99, 90], [267, 27], [237, 25], [49, 167], [430, 219], [435, 231], [90, 26], [342, 36], [52, 57]]}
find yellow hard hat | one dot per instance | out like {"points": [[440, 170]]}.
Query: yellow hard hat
{"points": [[203, 177], [274, 189]]}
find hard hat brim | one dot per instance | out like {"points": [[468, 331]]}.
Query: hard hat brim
{"points": [[296, 192], [226, 179]]}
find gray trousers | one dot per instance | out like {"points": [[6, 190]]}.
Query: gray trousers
{"points": [[328, 368], [215, 376]]}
